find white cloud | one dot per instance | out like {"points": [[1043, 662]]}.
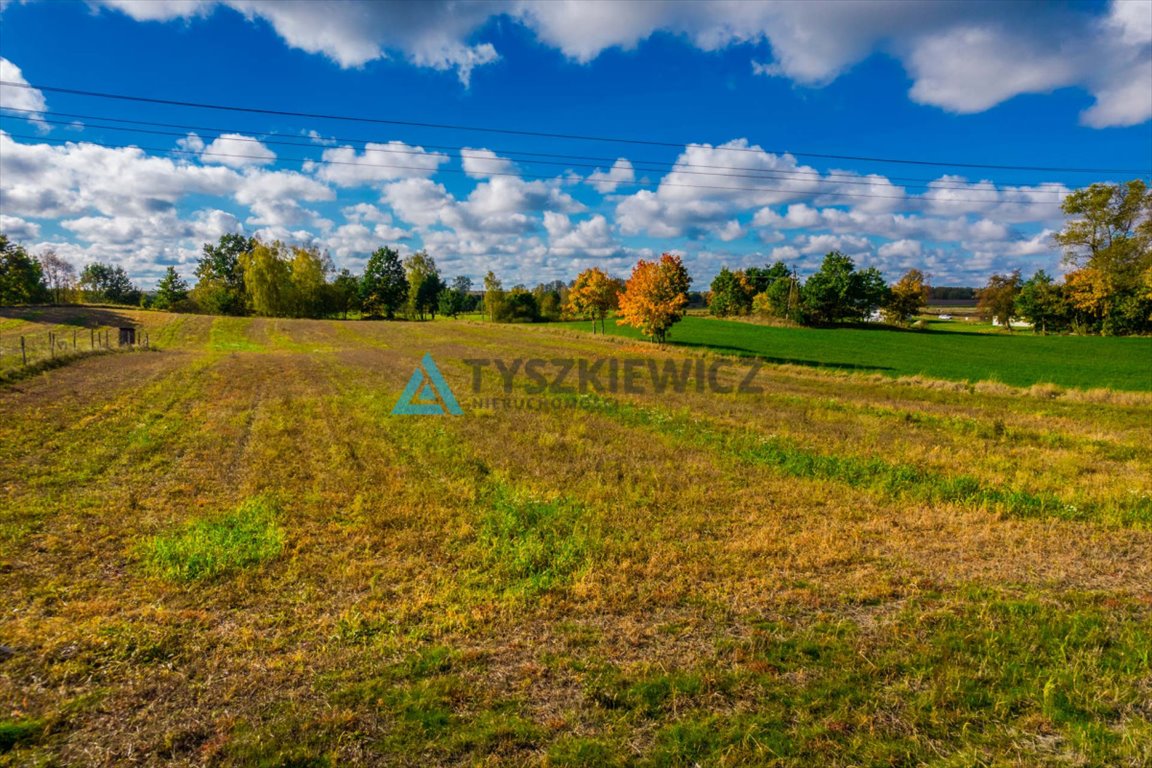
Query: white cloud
{"points": [[15, 97], [484, 163], [234, 150], [961, 56], [18, 229], [621, 172], [191, 143], [430, 34], [742, 176], [346, 167]]}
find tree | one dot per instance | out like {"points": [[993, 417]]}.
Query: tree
{"points": [[837, 292], [998, 298], [21, 277], [308, 271], [345, 293], [780, 299], [104, 282], [268, 280], [59, 275], [171, 290], [907, 297], [762, 278], [594, 294], [519, 305], [456, 298], [1108, 239], [731, 294], [219, 286], [655, 297], [424, 285], [384, 288], [1042, 302], [493, 294]]}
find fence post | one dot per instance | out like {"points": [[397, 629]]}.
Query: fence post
{"points": [[92, 338], [51, 345], [23, 351], [73, 341]]}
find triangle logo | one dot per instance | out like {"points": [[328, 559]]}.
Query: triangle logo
{"points": [[427, 393]]}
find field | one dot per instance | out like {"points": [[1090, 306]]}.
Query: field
{"points": [[957, 350], [227, 551]]}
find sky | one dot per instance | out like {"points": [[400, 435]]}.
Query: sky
{"points": [[940, 136]]}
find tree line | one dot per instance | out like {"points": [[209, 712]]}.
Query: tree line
{"points": [[1107, 241]]}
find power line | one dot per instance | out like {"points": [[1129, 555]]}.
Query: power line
{"points": [[539, 134], [817, 193], [662, 166], [468, 153]]}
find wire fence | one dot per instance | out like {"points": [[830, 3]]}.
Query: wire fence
{"points": [[29, 349]]}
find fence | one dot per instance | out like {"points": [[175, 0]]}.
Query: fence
{"points": [[20, 350]]}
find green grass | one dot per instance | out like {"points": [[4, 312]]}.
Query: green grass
{"points": [[218, 546], [528, 546], [14, 732], [1019, 359]]}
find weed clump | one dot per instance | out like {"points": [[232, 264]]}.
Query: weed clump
{"points": [[217, 546]]}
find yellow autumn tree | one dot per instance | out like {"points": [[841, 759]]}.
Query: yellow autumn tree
{"points": [[1089, 291], [655, 297], [593, 296]]}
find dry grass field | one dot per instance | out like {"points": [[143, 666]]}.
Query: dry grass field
{"points": [[227, 551]]}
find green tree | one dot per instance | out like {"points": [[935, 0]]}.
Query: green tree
{"points": [[1042, 302], [837, 292], [171, 290], [424, 285], [493, 294], [731, 294], [997, 299], [104, 282], [345, 291], [519, 305], [21, 277], [219, 286], [455, 298], [762, 278], [383, 288]]}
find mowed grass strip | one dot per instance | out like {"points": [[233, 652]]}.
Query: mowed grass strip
{"points": [[218, 546], [892, 479]]}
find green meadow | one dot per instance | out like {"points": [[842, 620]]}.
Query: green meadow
{"points": [[952, 351]]}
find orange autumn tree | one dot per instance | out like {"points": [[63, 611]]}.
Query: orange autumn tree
{"points": [[594, 295], [655, 297]]}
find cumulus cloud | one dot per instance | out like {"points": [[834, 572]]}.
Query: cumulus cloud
{"points": [[430, 34], [234, 150], [621, 172], [690, 201], [17, 228], [16, 97], [961, 56], [378, 163], [484, 163]]}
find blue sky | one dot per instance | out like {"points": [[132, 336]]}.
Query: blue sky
{"points": [[743, 97]]}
